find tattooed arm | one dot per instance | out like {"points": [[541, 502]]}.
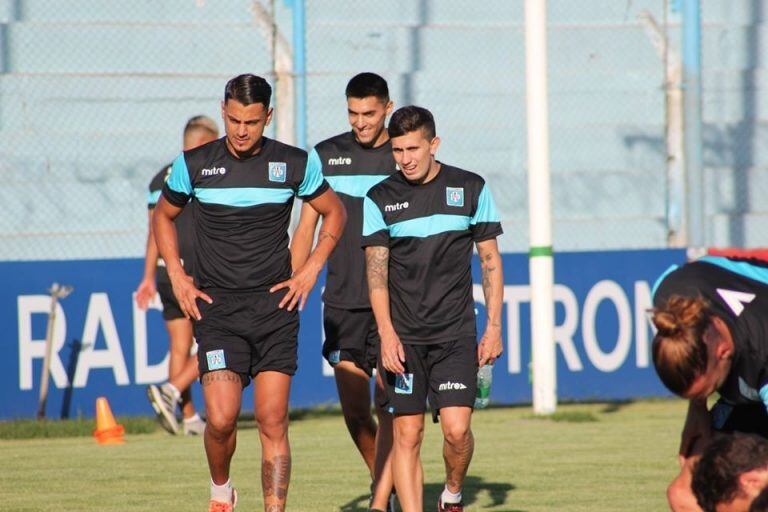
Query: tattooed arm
{"points": [[303, 236], [490, 346], [377, 272], [300, 284]]}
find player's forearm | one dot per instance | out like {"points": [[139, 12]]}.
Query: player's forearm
{"points": [[380, 305], [330, 231], [166, 242], [377, 275], [493, 286], [151, 253], [301, 246]]}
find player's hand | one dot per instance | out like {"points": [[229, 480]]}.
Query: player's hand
{"points": [[392, 353], [299, 286], [490, 347], [187, 294], [696, 432], [145, 293]]}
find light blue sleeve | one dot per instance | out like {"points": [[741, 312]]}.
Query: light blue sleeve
{"points": [[178, 181], [313, 175], [486, 208], [153, 197], [372, 219]]}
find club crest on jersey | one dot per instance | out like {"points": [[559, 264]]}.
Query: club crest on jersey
{"points": [[277, 171], [454, 196], [404, 384]]}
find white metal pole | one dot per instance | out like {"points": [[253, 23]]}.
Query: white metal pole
{"points": [[539, 210]]}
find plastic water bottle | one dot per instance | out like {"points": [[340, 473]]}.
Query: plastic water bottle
{"points": [[484, 379]]}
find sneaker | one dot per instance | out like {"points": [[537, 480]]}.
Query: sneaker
{"points": [[218, 506], [449, 507], [194, 427], [164, 403]]}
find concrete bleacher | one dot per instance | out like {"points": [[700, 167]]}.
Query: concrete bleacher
{"points": [[93, 96]]}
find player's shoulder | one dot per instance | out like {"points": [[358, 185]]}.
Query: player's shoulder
{"points": [[282, 150], [158, 180], [201, 156], [389, 186], [459, 175], [340, 142]]}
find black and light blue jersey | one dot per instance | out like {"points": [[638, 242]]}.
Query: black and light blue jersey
{"points": [[242, 210], [351, 170], [429, 230], [184, 222], [737, 292]]}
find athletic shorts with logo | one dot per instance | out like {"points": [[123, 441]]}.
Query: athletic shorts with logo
{"points": [[443, 373], [746, 418], [351, 335], [247, 333]]}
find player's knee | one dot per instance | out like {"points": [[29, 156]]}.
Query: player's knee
{"points": [[457, 435], [220, 427], [273, 424], [679, 495], [408, 436], [357, 417]]}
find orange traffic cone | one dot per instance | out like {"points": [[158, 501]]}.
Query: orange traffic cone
{"points": [[107, 430]]}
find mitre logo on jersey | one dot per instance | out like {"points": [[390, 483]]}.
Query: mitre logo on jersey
{"points": [[213, 171], [395, 207], [340, 161], [449, 386], [454, 196], [277, 171]]}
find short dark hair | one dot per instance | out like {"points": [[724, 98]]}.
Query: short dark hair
{"points": [[409, 119], [364, 85], [248, 89], [716, 474]]}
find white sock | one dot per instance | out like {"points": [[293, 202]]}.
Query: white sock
{"points": [[449, 497], [223, 492], [193, 419]]}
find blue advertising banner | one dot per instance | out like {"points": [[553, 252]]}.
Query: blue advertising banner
{"points": [[104, 345]]}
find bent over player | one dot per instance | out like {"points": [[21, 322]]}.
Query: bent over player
{"points": [[418, 230], [182, 367], [712, 321], [353, 162], [243, 298]]}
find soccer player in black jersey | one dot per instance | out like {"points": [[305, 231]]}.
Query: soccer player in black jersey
{"points": [[419, 227], [243, 297], [182, 367], [711, 317], [353, 162]]}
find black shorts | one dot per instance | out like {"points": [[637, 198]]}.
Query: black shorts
{"points": [[351, 335], [443, 373], [171, 308], [246, 333], [748, 419]]}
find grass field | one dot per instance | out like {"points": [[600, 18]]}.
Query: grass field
{"points": [[595, 457]]}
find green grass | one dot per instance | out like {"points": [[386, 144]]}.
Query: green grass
{"points": [[621, 459]]}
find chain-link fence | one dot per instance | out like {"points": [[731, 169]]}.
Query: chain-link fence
{"points": [[93, 97]]}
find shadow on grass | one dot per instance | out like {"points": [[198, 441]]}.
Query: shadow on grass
{"points": [[473, 486]]}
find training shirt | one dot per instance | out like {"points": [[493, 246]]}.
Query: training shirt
{"points": [[351, 170], [737, 291], [184, 222], [242, 210], [429, 230]]}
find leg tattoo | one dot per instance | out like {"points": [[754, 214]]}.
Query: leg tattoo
{"points": [[275, 475]]}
